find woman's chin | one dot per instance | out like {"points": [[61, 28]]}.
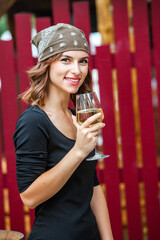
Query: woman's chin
{"points": [[73, 91]]}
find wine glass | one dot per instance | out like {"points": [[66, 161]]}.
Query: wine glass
{"points": [[87, 105]]}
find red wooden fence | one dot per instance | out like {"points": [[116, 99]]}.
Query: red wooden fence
{"points": [[143, 66], [13, 66]]}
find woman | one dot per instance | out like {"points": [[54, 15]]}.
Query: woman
{"points": [[51, 147]]}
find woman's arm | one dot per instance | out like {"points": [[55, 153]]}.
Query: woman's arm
{"points": [[100, 210], [50, 182]]}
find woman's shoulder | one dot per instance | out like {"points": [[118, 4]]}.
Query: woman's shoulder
{"points": [[32, 115], [33, 122]]}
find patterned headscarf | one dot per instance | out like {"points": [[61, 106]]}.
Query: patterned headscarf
{"points": [[59, 38]]}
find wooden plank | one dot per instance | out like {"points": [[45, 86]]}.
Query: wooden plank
{"points": [[42, 23], [123, 66], [60, 11], [104, 21], [111, 174], [2, 214], [81, 17], [24, 54], [24, 57], [155, 9], [143, 65], [10, 115]]}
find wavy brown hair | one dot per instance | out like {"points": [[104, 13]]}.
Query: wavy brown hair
{"points": [[39, 83]]}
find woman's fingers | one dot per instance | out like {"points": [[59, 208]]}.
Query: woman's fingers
{"points": [[87, 134], [96, 127], [91, 120], [88, 123]]}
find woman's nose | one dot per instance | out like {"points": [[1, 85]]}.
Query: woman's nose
{"points": [[75, 69]]}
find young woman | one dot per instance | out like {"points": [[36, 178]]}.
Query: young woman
{"points": [[53, 175]]}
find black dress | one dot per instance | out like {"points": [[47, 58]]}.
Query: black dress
{"points": [[39, 146]]}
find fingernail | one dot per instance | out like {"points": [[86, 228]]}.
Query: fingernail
{"points": [[99, 114]]}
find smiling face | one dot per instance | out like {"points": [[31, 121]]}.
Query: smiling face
{"points": [[69, 71]]}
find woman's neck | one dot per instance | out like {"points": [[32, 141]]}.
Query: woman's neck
{"points": [[57, 101]]}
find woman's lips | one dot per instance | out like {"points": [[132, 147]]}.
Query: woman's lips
{"points": [[73, 81]]}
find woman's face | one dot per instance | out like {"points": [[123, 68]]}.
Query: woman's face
{"points": [[69, 71]]}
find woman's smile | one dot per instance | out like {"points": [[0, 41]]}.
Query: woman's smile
{"points": [[73, 80]]}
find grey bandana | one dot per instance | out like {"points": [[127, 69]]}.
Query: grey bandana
{"points": [[59, 38]]}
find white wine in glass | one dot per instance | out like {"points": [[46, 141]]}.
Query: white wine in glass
{"points": [[82, 115], [87, 105]]}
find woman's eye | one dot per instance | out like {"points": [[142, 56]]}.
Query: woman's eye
{"points": [[84, 61], [65, 60]]}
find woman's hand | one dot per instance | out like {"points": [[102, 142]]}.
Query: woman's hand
{"points": [[87, 134]]}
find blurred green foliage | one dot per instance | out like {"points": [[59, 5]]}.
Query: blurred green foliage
{"points": [[3, 24]]}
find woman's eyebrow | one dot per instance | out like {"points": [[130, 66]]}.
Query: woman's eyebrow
{"points": [[85, 57], [72, 57], [66, 56]]}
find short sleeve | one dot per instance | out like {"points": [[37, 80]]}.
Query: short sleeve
{"points": [[31, 141], [96, 181]]}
